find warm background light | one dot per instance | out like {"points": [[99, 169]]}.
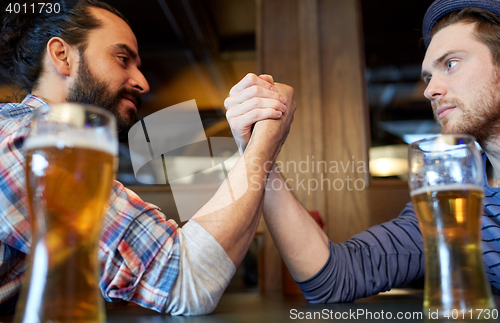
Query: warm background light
{"points": [[389, 161]]}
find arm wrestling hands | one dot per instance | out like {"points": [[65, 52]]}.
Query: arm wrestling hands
{"points": [[234, 226], [253, 99], [253, 102]]}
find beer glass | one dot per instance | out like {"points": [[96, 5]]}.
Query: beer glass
{"points": [[446, 187], [70, 165]]}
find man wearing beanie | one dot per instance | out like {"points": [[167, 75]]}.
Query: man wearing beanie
{"points": [[462, 71]]}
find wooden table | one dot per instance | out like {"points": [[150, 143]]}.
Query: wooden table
{"points": [[256, 308]]}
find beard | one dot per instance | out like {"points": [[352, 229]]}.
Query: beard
{"points": [[89, 89], [480, 119]]}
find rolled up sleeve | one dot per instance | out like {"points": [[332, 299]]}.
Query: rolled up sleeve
{"points": [[138, 252]]}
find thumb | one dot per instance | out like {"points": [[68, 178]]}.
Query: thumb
{"points": [[267, 78]]}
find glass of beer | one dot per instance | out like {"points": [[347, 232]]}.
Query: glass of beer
{"points": [[446, 187], [71, 155]]}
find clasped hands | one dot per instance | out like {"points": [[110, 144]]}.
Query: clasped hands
{"points": [[257, 106]]}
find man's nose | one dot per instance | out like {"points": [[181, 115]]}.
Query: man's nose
{"points": [[434, 89], [139, 82]]}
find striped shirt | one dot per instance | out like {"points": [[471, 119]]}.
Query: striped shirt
{"points": [[139, 247], [392, 255]]}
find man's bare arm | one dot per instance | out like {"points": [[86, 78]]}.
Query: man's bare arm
{"points": [[301, 242], [299, 239]]}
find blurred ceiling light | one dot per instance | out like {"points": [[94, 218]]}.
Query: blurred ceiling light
{"points": [[383, 167], [389, 161]]}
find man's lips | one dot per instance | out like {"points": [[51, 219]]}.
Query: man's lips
{"points": [[130, 98], [443, 111]]}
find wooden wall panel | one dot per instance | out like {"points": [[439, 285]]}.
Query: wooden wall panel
{"points": [[344, 115], [310, 111], [316, 47]]}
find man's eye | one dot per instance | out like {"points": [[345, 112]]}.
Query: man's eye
{"points": [[123, 58], [451, 64]]}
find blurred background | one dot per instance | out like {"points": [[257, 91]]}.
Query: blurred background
{"points": [[198, 49]]}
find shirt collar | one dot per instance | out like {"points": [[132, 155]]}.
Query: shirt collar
{"points": [[35, 102]]}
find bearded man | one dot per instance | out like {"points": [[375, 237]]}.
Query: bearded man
{"points": [[462, 71], [89, 54]]}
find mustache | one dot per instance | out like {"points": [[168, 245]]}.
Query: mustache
{"points": [[133, 93], [436, 104]]}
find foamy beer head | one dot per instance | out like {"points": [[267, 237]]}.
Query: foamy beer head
{"points": [[445, 160], [74, 125], [73, 143]]}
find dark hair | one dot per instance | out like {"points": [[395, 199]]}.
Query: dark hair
{"points": [[487, 27], [24, 36]]}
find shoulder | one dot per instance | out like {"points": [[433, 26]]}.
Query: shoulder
{"points": [[6, 108], [9, 111], [14, 117]]}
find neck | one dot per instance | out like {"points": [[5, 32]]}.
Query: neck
{"points": [[492, 150], [49, 95], [51, 86]]}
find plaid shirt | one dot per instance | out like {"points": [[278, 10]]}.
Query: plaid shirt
{"points": [[138, 250]]}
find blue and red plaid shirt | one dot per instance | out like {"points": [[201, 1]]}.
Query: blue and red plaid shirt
{"points": [[139, 247]]}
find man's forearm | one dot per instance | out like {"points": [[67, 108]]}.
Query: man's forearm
{"points": [[301, 242], [234, 226]]}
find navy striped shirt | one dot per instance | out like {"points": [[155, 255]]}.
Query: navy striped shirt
{"points": [[392, 255]]}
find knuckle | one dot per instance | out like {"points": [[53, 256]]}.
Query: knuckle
{"points": [[254, 114], [227, 103], [254, 90], [233, 89], [251, 77], [288, 89], [254, 103]]}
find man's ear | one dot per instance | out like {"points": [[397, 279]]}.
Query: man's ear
{"points": [[61, 55]]}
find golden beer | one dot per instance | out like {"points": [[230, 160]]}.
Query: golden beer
{"points": [[455, 278], [68, 192]]}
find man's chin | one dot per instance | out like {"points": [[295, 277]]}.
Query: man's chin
{"points": [[464, 130], [448, 126], [453, 130], [124, 123], [446, 130]]}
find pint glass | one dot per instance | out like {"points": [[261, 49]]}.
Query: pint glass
{"points": [[446, 187], [70, 157]]}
